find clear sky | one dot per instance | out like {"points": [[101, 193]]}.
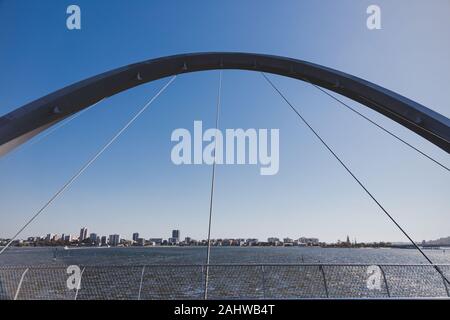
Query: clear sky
{"points": [[135, 187]]}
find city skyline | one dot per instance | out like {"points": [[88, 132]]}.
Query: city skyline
{"points": [[93, 239], [175, 238], [84, 234]]}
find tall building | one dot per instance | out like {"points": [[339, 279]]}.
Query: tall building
{"points": [[176, 235], [83, 233], [135, 236], [93, 237], [114, 239], [104, 241]]}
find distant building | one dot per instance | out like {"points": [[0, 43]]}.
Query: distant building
{"points": [[251, 242], [114, 239], [104, 241], [83, 234], [93, 237], [308, 241], [273, 240], [140, 242], [176, 235], [125, 242], [227, 242], [298, 243], [156, 241], [49, 237], [135, 236]]}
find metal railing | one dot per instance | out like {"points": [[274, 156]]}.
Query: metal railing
{"points": [[226, 281]]}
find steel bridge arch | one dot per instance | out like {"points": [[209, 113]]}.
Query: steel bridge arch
{"points": [[27, 121]]}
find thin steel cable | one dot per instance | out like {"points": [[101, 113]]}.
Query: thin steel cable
{"points": [[379, 126], [354, 177], [87, 164], [213, 178]]}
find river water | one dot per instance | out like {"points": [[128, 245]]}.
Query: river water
{"points": [[219, 255]]}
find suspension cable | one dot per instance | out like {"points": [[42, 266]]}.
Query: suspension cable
{"points": [[87, 164], [213, 178], [379, 126], [354, 177]]}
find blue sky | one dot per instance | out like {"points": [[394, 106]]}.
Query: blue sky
{"points": [[135, 187]]}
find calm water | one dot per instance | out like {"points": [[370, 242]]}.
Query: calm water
{"points": [[197, 255]]}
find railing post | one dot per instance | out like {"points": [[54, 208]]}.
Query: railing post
{"points": [[263, 282], [205, 292], [20, 283], [79, 284], [324, 280], [202, 277], [385, 281], [140, 284]]}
